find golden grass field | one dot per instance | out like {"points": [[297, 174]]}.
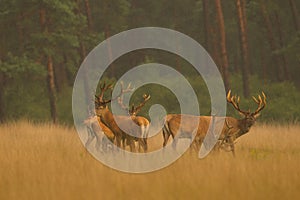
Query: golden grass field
{"points": [[49, 162]]}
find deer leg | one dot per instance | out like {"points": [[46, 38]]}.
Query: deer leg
{"points": [[140, 144], [196, 144], [166, 134], [119, 141], [124, 142], [166, 138], [232, 149], [174, 143], [131, 144], [110, 143], [192, 146], [105, 143], [146, 136], [91, 136], [128, 141], [99, 143], [230, 143], [143, 140], [145, 145]]}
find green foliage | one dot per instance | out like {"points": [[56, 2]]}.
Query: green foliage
{"points": [[30, 99], [64, 106], [282, 99], [26, 99], [20, 64], [24, 44]]}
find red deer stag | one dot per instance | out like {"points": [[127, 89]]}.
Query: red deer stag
{"points": [[107, 118], [232, 129], [142, 122]]}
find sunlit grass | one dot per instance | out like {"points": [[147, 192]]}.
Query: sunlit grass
{"points": [[42, 161]]}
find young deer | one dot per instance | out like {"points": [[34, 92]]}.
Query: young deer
{"points": [[96, 129], [233, 128]]}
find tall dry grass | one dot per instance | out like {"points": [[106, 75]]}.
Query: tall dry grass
{"points": [[49, 162]]}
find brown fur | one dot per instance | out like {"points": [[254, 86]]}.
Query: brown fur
{"points": [[232, 129], [95, 129]]}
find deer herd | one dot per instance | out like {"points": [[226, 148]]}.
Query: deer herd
{"points": [[110, 129]]}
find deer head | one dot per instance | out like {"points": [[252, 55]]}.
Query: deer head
{"points": [[249, 118], [101, 104]]}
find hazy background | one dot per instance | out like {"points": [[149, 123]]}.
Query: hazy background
{"points": [[42, 44]]}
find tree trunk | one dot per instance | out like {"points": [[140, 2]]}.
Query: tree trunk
{"points": [[210, 42], [243, 46], [295, 14], [243, 4], [224, 57], [89, 14], [244, 12], [112, 67], [236, 61], [20, 30], [206, 24], [2, 115], [263, 66], [87, 90], [83, 52], [50, 70], [215, 48], [51, 89], [271, 40], [60, 74], [281, 43]]}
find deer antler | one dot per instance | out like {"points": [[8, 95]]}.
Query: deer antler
{"points": [[104, 87], [139, 107], [261, 101], [123, 91], [133, 110], [235, 100], [123, 106]]}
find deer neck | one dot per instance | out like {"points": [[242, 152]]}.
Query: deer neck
{"points": [[106, 117], [244, 127]]}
